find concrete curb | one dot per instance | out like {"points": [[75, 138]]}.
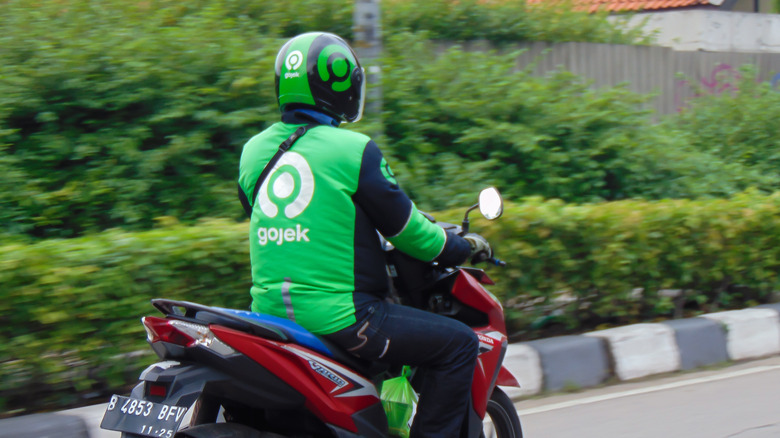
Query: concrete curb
{"points": [[44, 426], [524, 363], [700, 341], [572, 361], [642, 350], [750, 333], [553, 364], [775, 307]]}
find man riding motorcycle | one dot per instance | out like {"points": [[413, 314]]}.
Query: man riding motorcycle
{"points": [[315, 212]]}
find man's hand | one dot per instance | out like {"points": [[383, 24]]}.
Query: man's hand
{"points": [[480, 248]]}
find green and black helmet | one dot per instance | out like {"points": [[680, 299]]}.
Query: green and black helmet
{"points": [[320, 70]]}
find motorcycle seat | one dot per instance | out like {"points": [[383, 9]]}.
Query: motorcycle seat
{"points": [[266, 326], [299, 335], [292, 330]]}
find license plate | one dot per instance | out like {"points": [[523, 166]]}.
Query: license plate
{"points": [[142, 417]]}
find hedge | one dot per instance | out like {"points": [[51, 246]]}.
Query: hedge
{"points": [[464, 115], [115, 112], [70, 309], [629, 261], [751, 137], [504, 22], [112, 114]]}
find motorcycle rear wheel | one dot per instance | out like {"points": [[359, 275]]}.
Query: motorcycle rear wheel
{"points": [[503, 421], [216, 430]]}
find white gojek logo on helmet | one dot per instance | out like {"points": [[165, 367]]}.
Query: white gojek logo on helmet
{"points": [[294, 60], [284, 185]]}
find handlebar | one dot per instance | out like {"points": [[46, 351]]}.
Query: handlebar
{"points": [[458, 229], [496, 262], [481, 257]]}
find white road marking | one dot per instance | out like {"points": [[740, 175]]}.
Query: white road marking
{"points": [[682, 383]]}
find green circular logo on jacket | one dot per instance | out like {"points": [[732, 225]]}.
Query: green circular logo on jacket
{"points": [[289, 186]]}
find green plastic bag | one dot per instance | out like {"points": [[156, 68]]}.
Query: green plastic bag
{"points": [[400, 403]]}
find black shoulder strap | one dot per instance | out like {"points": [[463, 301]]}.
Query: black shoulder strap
{"points": [[284, 147]]}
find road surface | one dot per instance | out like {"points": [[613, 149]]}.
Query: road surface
{"points": [[739, 401]]}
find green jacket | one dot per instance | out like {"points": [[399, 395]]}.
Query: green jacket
{"points": [[313, 230]]}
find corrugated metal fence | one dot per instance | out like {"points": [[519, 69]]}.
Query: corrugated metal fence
{"points": [[674, 76]]}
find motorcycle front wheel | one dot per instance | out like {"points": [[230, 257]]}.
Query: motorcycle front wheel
{"points": [[501, 420]]}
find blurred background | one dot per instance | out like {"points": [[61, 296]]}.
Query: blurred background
{"points": [[639, 159]]}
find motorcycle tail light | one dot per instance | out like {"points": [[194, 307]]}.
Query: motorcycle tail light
{"points": [[183, 333], [159, 329], [157, 390]]}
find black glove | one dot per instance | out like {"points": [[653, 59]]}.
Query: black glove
{"points": [[480, 248]]}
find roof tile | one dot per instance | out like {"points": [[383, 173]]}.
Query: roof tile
{"points": [[629, 5]]}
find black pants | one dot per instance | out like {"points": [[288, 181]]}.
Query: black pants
{"points": [[445, 350]]}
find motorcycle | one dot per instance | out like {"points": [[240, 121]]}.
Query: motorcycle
{"points": [[238, 374]]}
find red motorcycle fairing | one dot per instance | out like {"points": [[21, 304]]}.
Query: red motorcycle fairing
{"points": [[492, 346], [479, 274], [492, 340], [505, 378], [470, 292], [333, 393]]}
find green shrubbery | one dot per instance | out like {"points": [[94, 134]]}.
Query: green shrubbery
{"points": [[609, 263], [113, 112], [71, 307], [120, 113], [738, 125], [70, 310], [506, 21], [112, 119], [472, 115]]}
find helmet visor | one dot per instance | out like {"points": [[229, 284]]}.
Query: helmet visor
{"points": [[362, 101]]}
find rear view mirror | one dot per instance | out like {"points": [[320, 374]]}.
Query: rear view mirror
{"points": [[490, 203]]}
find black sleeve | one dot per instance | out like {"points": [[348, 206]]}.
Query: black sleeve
{"points": [[456, 251], [390, 209], [386, 204]]}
